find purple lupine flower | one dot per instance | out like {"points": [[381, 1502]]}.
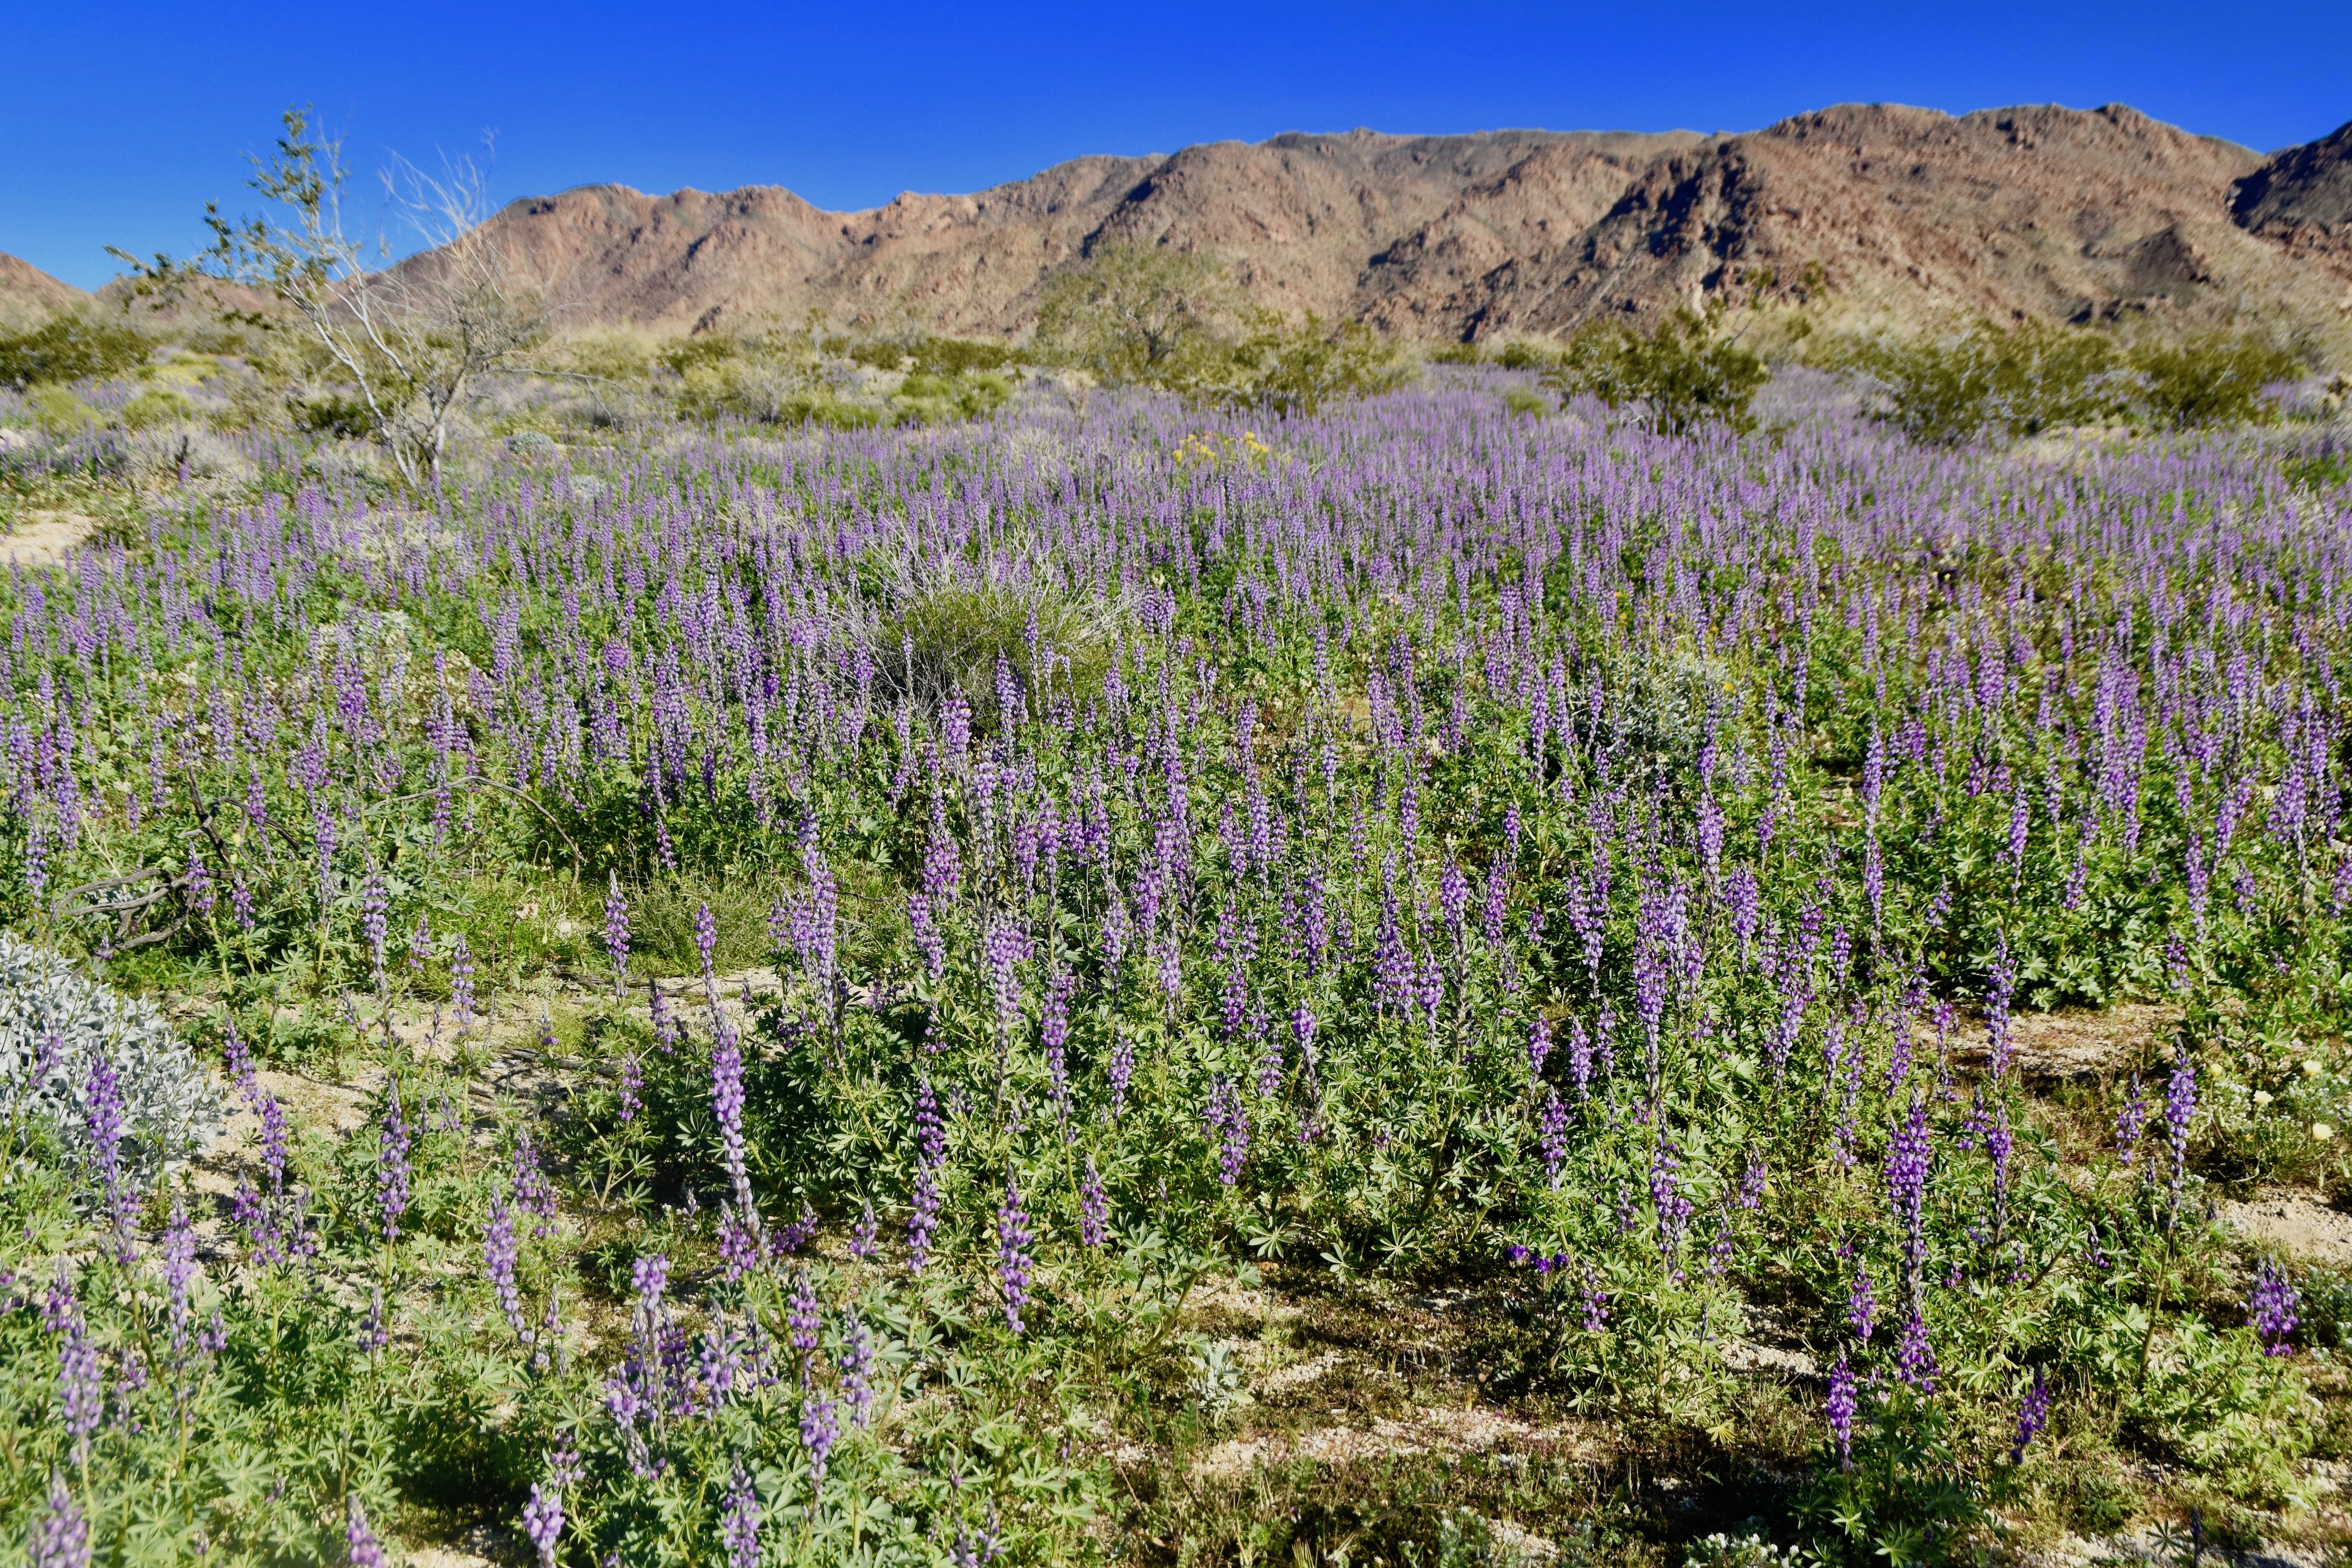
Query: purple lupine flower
{"points": [[543, 1521], [739, 1522], [2001, 989], [1909, 1154], [931, 1152], [179, 1269], [1752, 1177], [2271, 1308], [61, 1540], [1667, 1200], [858, 1371], [375, 924], [461, 983], [1580, 1059], [1094, 1208], [803, 1314], [393, 1172], [104, 1119], [500, 1250], [924, 1219], [1540, 1035], [633, 1087], [705, 940], [727, 1109], [82, 1396], [1014, 1264], [534, 1193], [1861, 1305], [819, 1427], [1594, 1303], [1914, 1358], [649, 1277], [1054, 1035], [863, 1235], [1005, 946], [1552, 1137], [374, 1334], [738, 1243], [616, 931], [1226, 1121], [1841, 1412], [364, 1551], [2033, 1414]]}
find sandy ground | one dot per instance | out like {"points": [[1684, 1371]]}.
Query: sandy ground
{"points": [[45, 538]]}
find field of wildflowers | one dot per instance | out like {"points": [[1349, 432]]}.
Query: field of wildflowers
{"points": [[1423, 985]]}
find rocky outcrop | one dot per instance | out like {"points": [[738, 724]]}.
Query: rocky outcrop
{"points": [[2302, 200]]}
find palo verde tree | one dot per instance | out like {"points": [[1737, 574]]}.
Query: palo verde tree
{"points": [[403, 344]]}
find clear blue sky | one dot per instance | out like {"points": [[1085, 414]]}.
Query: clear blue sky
{"points": [[118, 122]]}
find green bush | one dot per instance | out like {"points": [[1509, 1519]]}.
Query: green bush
{"points": [[927, 398], [2216, 378], [2019, 380], [157, 405], [2015, 382], [1299, 369], [70, 347], [1684, 374]]}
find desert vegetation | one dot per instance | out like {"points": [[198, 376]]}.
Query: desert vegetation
{"points": [[1187, 941]]}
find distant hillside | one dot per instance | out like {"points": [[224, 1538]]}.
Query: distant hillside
{"points": [[2302, 199], [1905, 213], [28, 294], [1873, 215]]}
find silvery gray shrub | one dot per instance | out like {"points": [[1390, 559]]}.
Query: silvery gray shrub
{"points": [[54, 1022]]}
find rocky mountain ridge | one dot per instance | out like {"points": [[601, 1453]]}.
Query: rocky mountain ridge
{"points": [[1865, 215]]}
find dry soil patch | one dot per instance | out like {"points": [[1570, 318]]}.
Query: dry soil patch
{"points": [[45, 538]]}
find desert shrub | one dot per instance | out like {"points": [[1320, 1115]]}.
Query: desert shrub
{"points": [[2016, 381], [1298, 369], [1684, 374], [614, 356], [152, 406], [927, 355], [70, 347], [1136, 314], [941, 639], [56, 1025], [702, 350], [2215, 377], [58, 411], [768, 390], [1524, 355], [929, 398], [2012, 382]]}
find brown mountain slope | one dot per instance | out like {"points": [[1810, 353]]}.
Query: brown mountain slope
{"points": [[1880, 215], [1908, 215], [1299, 216], [28, 294], [2302, 198]]}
